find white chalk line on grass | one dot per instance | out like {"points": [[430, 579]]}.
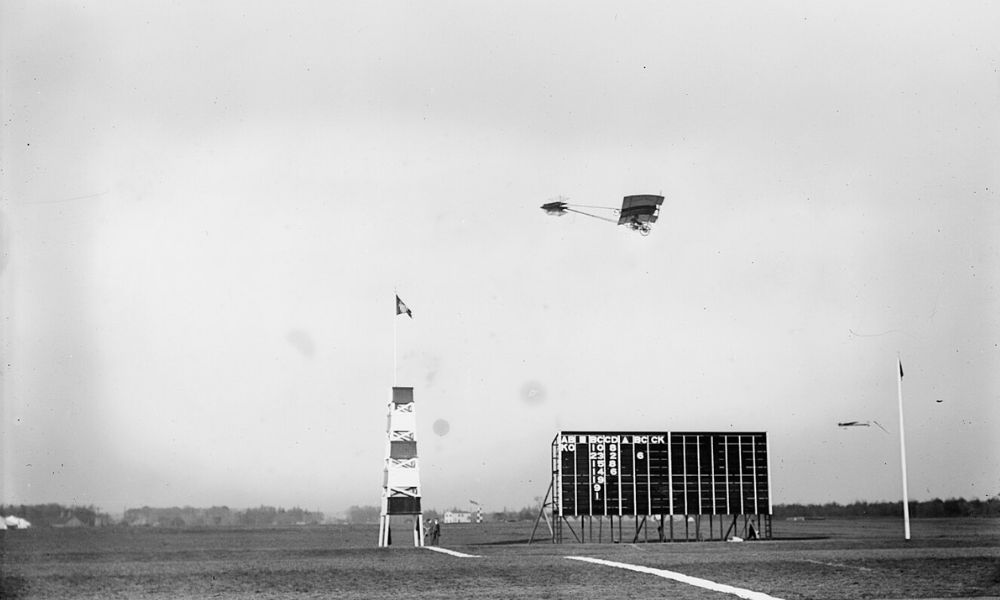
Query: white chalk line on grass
{"points": [[702, 583], [451, 552], [840, 565]]}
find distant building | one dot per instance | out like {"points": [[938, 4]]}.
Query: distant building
{"points": [[457, 517], [70, 522]]}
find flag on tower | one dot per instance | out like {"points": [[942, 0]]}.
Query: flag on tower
{"points": [[402, 308]]}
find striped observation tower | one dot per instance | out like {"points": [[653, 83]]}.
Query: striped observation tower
{"points": [[401, 474], [401, 477]]}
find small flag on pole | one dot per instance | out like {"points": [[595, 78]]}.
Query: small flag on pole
{"points": [[402, 308], [900, 368]]}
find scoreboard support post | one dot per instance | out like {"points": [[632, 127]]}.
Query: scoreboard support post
{"points": [[542, 514]]}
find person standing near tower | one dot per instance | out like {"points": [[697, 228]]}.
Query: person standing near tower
{"points": [[435, 533]]}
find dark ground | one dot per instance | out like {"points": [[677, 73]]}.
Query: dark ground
{"points": [[828, 559]]}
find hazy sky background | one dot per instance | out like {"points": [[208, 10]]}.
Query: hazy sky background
{"points": [[207, 208]]}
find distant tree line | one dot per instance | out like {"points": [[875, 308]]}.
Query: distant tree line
{"points": [[370, 514], [528, 513], [220, 516], [55, 515], [362, 514], [52, 514], [47, 515], [937, 508], [954, 507]]}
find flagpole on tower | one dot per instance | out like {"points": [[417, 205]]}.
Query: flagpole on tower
{"points": [[902, 449], [396, 314], [400, 474], [401, 308]]}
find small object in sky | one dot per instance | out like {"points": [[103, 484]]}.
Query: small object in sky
{"points": [[846, 424], [557, 209], [939, 400], [638, 212], [441, 427], [401, 308]]}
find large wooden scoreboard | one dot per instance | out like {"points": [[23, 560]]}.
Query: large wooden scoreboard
{"points": [[671, 473], [639, 474]]}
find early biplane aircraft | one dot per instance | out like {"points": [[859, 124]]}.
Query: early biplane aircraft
{"points": [[861, 424], [638, 212]]}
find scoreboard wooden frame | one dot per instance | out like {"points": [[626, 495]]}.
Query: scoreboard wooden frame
{"points": [[640, 474]]}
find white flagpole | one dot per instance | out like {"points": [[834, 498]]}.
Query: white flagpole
{"points": [[902, 448], [395, 317]]}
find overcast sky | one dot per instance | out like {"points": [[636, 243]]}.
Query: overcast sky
{"points": [[207, 208]]}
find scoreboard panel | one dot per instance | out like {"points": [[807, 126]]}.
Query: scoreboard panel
{"points": [[661, 473]]}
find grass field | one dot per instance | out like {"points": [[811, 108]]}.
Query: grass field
{"points": [[948, 558]]}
